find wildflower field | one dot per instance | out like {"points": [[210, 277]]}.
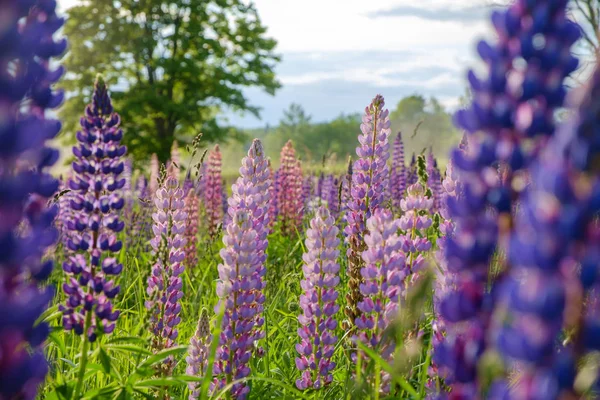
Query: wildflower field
{"points": [[395, 279]]}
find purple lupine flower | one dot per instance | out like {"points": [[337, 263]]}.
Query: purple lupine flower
{"points": [[224, 204], [333, 201], [26, 223], [411, 174], [250, 193], [370, 174], [97, 202], [318, 302], [241, 276], [509, 121], [191, 230], [213, 192], [236, 289], [307, 186], [398, 172], [384, 273], [554, 257], [65, 216], [290, 191], [320, 182], [414, 222], [154, 174], [164, 283], [198, 353]]}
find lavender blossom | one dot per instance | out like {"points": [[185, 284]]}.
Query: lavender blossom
{"points": [[384, 273], [164, 283], [213, 192], [289, 196], [411, 174], [318, 302], [434, 180], [370, 172], [199, 351], [26, 223], [241, 276], [398, 172], [236, 289], [97, 202]]}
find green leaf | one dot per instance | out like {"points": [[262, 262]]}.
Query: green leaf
{"points": [[162, 355], [104, 360]]}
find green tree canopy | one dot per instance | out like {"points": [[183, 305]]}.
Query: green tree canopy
{"points": [[173, 66]]}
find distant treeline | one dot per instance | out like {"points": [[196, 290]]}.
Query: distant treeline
{"points": [[423, 122]]}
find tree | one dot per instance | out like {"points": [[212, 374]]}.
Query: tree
{"points": [[412, 107], [174, 66]]}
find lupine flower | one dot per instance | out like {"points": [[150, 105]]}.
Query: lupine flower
{"points": [[416, 219], [318, 302], [514, 104], [307, 186], [370, 172], [398, 172], [191, 229], [213, 192], [65, 216], [224, 204], [556, 234], [175, 162], [384, 273], [411, 174], [290, 191], [236, 289], [198, 353], [164, 283], [154, 174], [97, 201], [241, 276], [250, 193], [26, 224], [127, 191]]}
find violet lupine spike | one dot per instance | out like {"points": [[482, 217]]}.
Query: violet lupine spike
{"points": [[318, 302], [290, 191], [97, 203], [434, 182], [398, 172], [414, 222], [507, 124], [554, 256], [236, 289], [411, 174], [370, 173], [307, 184], [198, 354], [213, 192], [224, 204], [65, 216], [164, 288], [27, 224], [191, 230], [384, 273], [250, 193], [444, 279], [333, 200], [154, 174]]}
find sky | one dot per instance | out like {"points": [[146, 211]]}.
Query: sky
{"points": [[338, 54]]}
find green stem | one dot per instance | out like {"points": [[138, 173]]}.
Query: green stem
{"points": [[84, 356]]}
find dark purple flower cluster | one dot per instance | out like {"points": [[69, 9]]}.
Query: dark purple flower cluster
{"points": [[398, 172], [508, 122], [26, 224], [96, 202]]}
